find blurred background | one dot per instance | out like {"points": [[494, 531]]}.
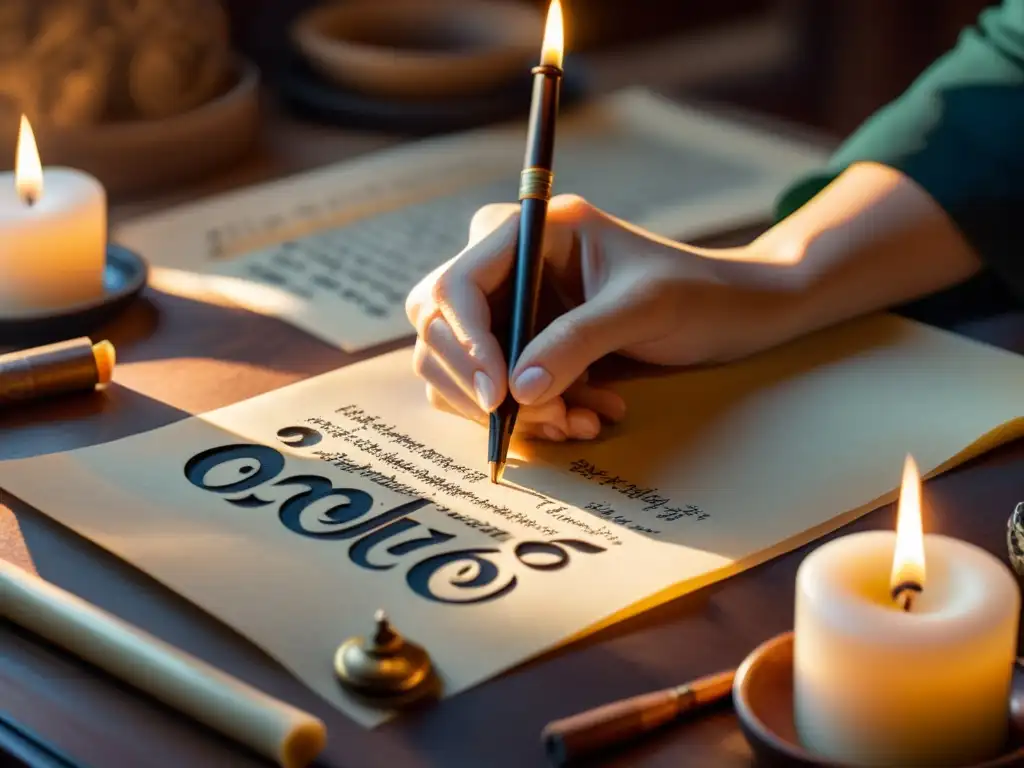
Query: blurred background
{"points": [[825, 63], [149, 95]]}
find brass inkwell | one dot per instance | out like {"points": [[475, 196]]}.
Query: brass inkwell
{"points": [[385, 669]]}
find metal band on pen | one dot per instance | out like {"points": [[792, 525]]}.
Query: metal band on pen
{"points": [[536, 183]]}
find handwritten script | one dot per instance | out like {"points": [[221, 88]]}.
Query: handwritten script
{"points": [[346, 278], [649, 499], [438, 568]]}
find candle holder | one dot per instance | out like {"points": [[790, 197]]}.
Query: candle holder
{"points": [[763, 699], [124, 275]]}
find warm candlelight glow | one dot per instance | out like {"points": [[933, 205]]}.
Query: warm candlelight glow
{"points": [[551, 51], [908, 559], [28, 171]]}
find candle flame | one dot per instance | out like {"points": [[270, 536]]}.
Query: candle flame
{"points": [[551, 50], [908, 559], [28, 171]]}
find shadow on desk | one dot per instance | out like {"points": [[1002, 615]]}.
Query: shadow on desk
{"points": [[176, 356], [113, 413]]}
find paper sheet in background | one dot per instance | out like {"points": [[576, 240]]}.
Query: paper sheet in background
{"points": [[336, 251], [347, 493]]}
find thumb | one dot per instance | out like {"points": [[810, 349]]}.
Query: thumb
{"points": [[566, 348]]}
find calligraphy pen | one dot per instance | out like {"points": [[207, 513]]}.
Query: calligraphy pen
{"points": [[534, 194]]}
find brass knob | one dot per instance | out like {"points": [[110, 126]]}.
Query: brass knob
{"points": [[385, 669]]}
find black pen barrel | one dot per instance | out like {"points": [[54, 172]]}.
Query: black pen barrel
{"points": [[534, 193], [528, 273], [540, 137]]}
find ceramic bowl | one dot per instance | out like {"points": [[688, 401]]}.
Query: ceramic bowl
{"points": [[763, 699], [420, 50]]}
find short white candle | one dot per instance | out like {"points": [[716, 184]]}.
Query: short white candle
{"points": [[53, 234], [875, 684]]}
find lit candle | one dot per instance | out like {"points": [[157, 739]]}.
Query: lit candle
{"points": [[904, 646], [53, 234]]}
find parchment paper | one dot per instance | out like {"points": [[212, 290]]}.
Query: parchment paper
{"points": [[347, 493]]}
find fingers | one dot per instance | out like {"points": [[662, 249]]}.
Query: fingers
{"points": [[466, 367], [606, 322], [460, 298], [602, 402], [446, 394], [443, 392], [587, 406], [419, 303], [554, 420], [461, 291], [458, 353], [451, 363], [489, 218]]}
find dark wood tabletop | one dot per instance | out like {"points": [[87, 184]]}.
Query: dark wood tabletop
{"points": [[179, 356]]}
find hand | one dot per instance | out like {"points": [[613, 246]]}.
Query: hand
{"points": [[615, 288]]}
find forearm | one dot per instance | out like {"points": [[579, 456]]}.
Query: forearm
{"points": [[870, 240]]}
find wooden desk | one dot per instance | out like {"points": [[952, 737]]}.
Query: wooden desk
{"points": [[179, 357]]}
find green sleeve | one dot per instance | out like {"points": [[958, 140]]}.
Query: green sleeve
{"points": [[958, 132]]}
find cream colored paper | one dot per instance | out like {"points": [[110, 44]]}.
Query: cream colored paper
{"points": [[714, 471], [336, 251]]}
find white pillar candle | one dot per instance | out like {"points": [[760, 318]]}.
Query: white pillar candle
{"points": [[53, 235], [875, 684]]}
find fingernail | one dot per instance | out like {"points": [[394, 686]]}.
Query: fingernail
{"points": [[531, 384], [485, 391], [553, 433], [583, 426]]}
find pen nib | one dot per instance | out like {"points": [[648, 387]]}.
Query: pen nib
{"points": [[497, 470]]}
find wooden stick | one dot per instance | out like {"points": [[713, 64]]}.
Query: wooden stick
{"points": [[606, 726]]}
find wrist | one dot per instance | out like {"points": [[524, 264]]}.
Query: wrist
{"points": [[770, 298], [871, 240]]}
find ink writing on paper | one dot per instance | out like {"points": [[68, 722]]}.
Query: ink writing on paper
{"points": [[342, 266], [378, 439], [438, 567], [652, 507]]}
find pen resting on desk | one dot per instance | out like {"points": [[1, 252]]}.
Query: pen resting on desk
{"points": [[274, 729]]}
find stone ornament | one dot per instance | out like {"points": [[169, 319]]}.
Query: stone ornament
{"points": [[70, 63]]}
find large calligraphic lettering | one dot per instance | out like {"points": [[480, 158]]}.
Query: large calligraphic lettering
{"points": [[378, 541], [472, 571], [268, 465]]}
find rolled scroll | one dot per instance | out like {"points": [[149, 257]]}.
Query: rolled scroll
{"points": [[270, 727]]}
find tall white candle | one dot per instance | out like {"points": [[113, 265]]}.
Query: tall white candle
{"points": [[53, 234], [875, 684]]}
